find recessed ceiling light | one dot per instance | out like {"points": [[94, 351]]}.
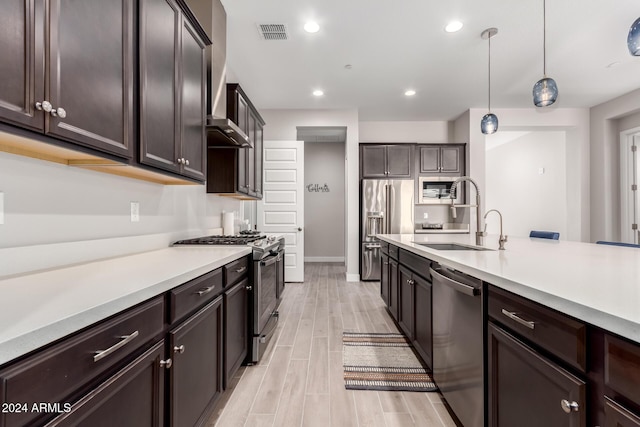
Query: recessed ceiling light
{"points": [[453, 26], [311, 27], [318, 92], [410, 92]]}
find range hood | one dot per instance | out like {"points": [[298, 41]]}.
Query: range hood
{"points": [[225, 133]]}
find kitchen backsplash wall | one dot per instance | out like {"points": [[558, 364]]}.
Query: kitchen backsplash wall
{"points": [[52, 204]]}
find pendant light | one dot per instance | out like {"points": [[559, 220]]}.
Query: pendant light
{"points": [[489, 123], [633, 40], [545, 91]]}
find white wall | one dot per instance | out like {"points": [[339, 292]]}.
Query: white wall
{"points": [[324, 210], [401, 131], [86, 214], [607, 121], [573, 121], [281, 125], [528, 200]]}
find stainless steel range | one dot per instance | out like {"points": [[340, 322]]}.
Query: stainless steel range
{"points": [[267, 277]]}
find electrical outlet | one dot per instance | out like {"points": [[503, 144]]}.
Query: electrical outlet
{"points": [[425, 215], [135, 211], [540, 171], [1, 207]]}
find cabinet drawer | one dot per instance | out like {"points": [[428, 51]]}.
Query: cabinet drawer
{"points": [[57, 373], [416, 263], [393, 251], [556, 333], [194, 294], [236, 270], [618, 416], [622, 367], [384, 247]]}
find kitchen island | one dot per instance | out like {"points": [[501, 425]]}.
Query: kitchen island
{"points": [[561, 317]]}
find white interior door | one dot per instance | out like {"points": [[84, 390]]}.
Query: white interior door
{"points": [[281, 210]]}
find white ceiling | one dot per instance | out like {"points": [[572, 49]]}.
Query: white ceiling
{"points": [[396, 45]]}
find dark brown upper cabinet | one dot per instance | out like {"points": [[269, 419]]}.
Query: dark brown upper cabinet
{"points": [[172, 90], [67, 71], [447, 159], [238, 171], [386, 161]]}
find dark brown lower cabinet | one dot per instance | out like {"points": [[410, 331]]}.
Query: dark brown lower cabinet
{"points": [[423, 328], [384, 278], [133, 397], [236, 305], [405, 311], [528, 390], [393, 288], [195, 377], [617, 416]]}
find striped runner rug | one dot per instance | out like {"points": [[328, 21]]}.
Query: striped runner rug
{"points": [[383, 361]]}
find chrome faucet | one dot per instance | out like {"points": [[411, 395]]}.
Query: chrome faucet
{"points": [[502, 238], [452, 194]]}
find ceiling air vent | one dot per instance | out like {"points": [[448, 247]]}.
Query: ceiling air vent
{"points": [[273, 31]]}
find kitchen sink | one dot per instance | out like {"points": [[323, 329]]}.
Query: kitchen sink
{"points": [[452, 247]]}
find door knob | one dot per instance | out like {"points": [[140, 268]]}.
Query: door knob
{"points": [[568, 407], [299, 228], [178, 349]]}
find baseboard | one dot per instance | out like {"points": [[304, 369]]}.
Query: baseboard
{"points": [[353, 277], [324, 259]]}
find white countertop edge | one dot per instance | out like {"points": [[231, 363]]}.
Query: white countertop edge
{"points": [[57, 329], [606, 321]]}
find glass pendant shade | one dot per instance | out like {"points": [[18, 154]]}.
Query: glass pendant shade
{"points": [[545, 92], [489, 124], [633, 40]]}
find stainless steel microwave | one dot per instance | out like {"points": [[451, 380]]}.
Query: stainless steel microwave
{"points": [[435, 190]]}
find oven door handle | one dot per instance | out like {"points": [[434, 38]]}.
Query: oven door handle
{"points": [[271, 260]]}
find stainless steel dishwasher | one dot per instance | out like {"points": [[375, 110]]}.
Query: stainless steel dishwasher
{"points": [[458, 367]]}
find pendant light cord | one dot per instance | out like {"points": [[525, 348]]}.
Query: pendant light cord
{"points": [[544, 38], [489, 73]]}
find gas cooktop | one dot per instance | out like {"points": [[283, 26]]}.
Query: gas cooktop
{"points": [[245, 237]]}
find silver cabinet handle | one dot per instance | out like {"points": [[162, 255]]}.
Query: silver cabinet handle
{"points": [[372, 246], [178, 349], [185, 162], [241, 270], [166, 363], [204, 291], [568, 407], [44, 106], [126, 339], [513, 316], [248, 287], [58, 112]]}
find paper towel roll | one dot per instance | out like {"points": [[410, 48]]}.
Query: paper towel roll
{"points": [[228, 223]]}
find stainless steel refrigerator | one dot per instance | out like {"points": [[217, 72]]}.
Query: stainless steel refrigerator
{"points": [[387, 208]]}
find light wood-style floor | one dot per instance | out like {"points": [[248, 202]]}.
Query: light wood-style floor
{"points": [[299, 381]]}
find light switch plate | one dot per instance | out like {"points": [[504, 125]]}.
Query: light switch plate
{"points": [[1, 207], [135, 211]]}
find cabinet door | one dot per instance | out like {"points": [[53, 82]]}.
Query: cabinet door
{"points": [[525, 387], [617, 416], [193, 103], [243, 183], [405, 309], [373, 160], [393, 288], [22, 64], [452, 160], [384, 278], [257, 149], [236, 311], [422, 313], [90, 73], [159, 62], [429, 159], [133, 397], [251, 161], [196, 375], [399, 161]]}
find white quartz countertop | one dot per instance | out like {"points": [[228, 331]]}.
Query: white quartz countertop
{"points": [[37, 309], [599, 284]]}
